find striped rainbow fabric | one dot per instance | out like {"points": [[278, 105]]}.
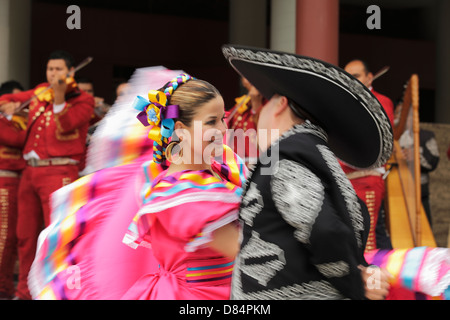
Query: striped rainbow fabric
{"points": [[231, 174], [69, 222], [52, 255], [214, 271], [421, 269]]}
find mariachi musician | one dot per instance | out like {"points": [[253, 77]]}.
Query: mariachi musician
{"points": [[55, 143], [12, 138], [369, 184]]}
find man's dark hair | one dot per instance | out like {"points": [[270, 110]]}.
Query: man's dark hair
{"points": [[9, 86], [61, 54], [366, 66]]}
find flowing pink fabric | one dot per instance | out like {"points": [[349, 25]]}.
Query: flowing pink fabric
{"points": [[186, 275], [110, 266], [100, 266], [179, 228]]}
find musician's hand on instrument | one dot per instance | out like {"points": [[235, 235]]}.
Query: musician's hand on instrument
{"points": [[408, 153], [255, 97], [59, 87], [99, 101], [101, 108], [376, 282], [9, 108]]}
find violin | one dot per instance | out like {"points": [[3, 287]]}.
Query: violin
{"points": [[47, 94], [20, 120], [71, 85]]}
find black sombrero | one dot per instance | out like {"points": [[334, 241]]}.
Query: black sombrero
{"points": [[359, 131]]}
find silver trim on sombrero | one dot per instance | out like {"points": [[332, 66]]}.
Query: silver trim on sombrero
{"points": [[353, 86]]}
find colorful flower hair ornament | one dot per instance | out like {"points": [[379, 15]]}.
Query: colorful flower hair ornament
{"points": [[155, 112]]}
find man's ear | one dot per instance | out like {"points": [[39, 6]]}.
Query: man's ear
{"points": [[281, 105], [369, 79]]}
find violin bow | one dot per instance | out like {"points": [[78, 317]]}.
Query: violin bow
{"points": [[381, 72], [81, 65]]}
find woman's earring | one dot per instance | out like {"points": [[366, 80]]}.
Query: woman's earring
{"points": [[174, 151]]}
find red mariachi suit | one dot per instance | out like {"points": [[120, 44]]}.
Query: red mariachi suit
{"points": [[12, 139], [243, 123], [369, 184], [50, 135]]}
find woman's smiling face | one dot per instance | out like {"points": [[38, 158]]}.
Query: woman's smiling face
{"points": [[204, 137]]}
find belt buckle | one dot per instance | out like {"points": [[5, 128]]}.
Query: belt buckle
{"points": [[33, 162]]}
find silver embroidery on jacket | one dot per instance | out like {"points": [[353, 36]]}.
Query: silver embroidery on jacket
{"points": [[252, 204], [258, 248], [298, 195], [351, 200], [334, 269]]}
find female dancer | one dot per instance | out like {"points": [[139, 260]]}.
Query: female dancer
{"points": [[190, 209]]}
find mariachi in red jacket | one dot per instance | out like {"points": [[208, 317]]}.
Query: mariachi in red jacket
{"points": [[50, 134]]}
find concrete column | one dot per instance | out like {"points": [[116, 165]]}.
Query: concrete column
{"points": [[282, 25], [442, 109], [15, 30], [248, 25], [4, 39], [317, 29]]}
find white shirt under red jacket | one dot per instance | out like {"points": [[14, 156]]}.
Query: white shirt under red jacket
{"points": [[369, 184]]}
